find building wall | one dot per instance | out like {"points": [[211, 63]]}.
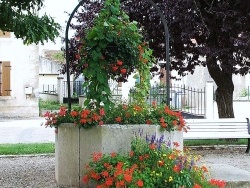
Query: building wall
{"points": [[24, 61]]}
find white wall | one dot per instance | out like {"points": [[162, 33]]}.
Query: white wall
{"points": [[24, 73]]}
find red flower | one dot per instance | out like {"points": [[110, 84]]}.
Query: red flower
{"points": [[85, 179], [118, 119], [176, 144], [109, 181], [74, 113], [47, 114], [77, 56], [152, 146], [131, 153], [128, 177], [177, 168], [219, 183], [101, 123], [149, 122], [113, 154], [119, 63], [140, 183], [141, 158], [83, 121], [123, 71], [196, 186], [115, 68], [154, 103], [105, 174], [102, 112], [97, 156], [62, 111]]}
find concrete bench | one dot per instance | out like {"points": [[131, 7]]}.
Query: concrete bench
{"points": [[218, 128]]}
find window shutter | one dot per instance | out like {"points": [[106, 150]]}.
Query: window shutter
{"points": [[4, 34], [5, 79]]}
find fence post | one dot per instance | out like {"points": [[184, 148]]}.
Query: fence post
{"points": [[209, 100], [60, 89]]}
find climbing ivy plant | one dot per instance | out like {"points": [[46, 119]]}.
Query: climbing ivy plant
{"points": [[113, 49]]}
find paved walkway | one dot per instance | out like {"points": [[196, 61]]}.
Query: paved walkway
{"points": [[25, 131]]}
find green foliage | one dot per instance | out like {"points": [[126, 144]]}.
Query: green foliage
{"points": [[112, 50], [22, 19], [149, 164]]}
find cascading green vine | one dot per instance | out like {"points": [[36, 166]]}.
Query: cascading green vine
{"points": [[113, 49]]}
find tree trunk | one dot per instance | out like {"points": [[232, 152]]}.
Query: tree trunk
{"points": [[225, 88]]}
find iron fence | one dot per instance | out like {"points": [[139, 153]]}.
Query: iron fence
{"points": [[48, 89], [186, 99]]}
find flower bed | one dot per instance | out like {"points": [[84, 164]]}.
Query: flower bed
{"points": [[149, 164], [75, 146]]}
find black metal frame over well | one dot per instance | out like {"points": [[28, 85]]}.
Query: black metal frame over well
{"points": [[166, 45]]}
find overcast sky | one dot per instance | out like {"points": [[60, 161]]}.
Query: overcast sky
{"points": [[56, 9]]}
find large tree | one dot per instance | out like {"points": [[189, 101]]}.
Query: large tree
{"points": [[218, 30], [21, 17]]}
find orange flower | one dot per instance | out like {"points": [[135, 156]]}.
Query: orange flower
{"points": [[118, 119], [152, 146], [74, 113], [100, 123], [123, 71], [175, 122], [177, 168], [140, 183], [113, 154], [204, 169], [131, 153], [160, 163], [119, 63], [137, 108], [141, 158]]}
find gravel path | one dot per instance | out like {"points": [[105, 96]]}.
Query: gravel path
{"points": [[38, 171]]}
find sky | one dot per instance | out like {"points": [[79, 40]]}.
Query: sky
{"points": [[56, 9]]}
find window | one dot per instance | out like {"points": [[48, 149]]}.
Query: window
{"points": [[5, 78], [4, 34]]}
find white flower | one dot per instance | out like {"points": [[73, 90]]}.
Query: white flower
{"points": [[101, 104]]}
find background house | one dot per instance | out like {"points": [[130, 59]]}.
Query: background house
{"points": [[18, 77]]}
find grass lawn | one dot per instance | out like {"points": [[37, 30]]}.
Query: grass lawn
{"points": [[24, 149]]}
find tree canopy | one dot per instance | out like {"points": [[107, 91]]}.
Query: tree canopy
{"points": [[21, 17], [218, 30]]}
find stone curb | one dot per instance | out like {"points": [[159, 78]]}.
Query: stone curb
{"points": [[28, 155]]}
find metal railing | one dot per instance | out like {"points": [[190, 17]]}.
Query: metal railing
{"points": [[76, 89], [182, 98], [48, 88]]}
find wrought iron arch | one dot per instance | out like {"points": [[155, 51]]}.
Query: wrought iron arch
{"points": [[166, 30]]}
